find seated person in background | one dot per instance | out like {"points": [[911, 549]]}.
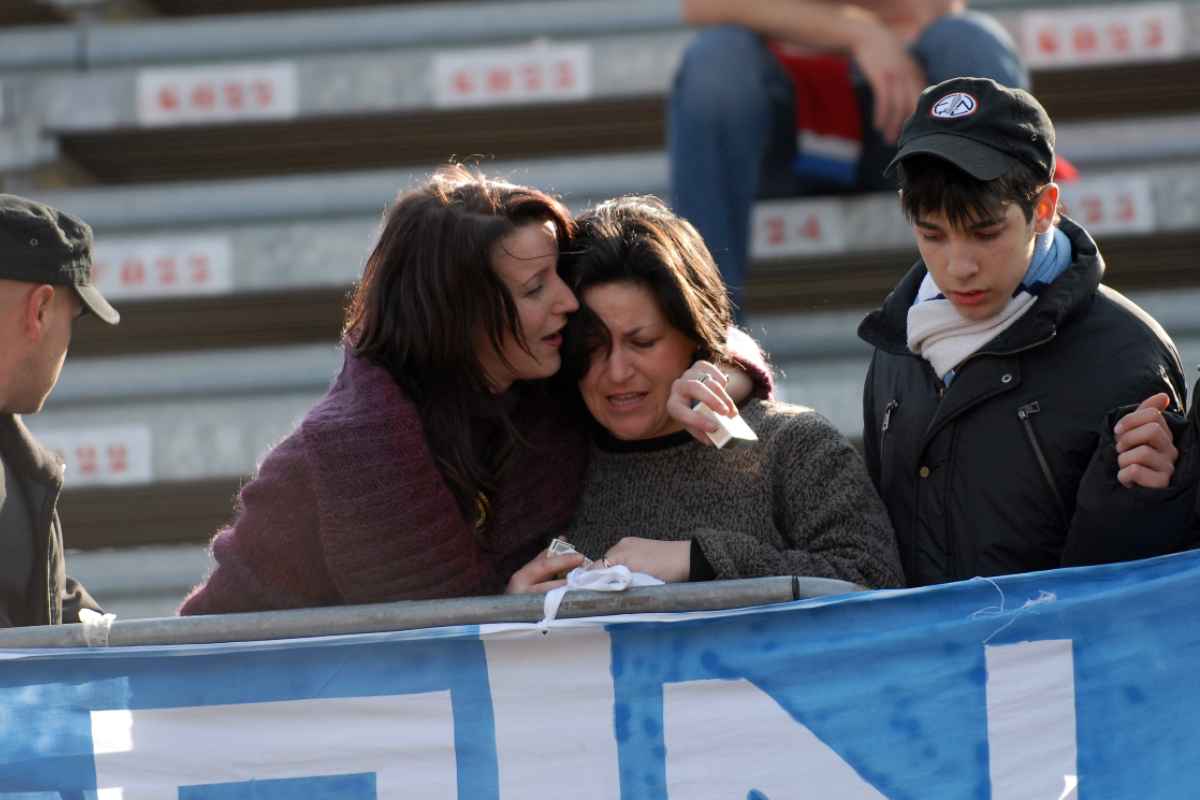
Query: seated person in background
{"points": [[1151, 486], [749, 117], [1000, 353], [796, 502]]}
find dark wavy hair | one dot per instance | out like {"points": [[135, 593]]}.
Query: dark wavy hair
{"points": [[929, 185], [637, 239], [428, 293]]}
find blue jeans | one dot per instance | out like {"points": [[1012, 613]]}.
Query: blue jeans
{"points": [[731, 124]]}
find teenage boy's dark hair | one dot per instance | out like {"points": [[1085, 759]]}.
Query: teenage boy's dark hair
{"points": [[930, 185]]}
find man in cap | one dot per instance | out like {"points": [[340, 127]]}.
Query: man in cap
{"points": [[45, 285], [1000, 357]]}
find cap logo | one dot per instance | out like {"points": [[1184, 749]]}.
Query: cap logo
{"points": [[955, 105]]}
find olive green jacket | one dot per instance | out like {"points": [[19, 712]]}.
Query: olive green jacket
{"points": [[53, 597]]}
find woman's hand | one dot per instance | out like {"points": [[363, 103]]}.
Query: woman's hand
{"points": [[542, 573], [667, 561], [703, 383]]}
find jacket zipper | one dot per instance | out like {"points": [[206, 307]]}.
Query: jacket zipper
{"points": [[883, 429], [1025, 414]]}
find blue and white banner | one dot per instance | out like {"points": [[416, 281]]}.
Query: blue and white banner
{"points": [[1074, 683]]}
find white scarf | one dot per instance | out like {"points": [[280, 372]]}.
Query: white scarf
{"points": [[945, 338]]}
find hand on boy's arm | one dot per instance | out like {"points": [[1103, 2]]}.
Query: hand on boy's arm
{"points": [[1146, 452]]}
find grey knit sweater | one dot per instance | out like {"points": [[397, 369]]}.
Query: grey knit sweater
{"points": [[797, 502]]}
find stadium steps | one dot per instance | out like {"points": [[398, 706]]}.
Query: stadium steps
{"points": [[150, 581], [365, 97], [29, 12], [296, 244]]}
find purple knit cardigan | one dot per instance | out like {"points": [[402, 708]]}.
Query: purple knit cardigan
{"points": [[350, 508]]}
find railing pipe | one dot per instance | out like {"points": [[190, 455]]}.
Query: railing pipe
{"points": [[416, 614]]}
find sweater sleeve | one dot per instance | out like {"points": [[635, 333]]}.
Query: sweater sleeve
{"points": [[270, 556], [834, 523], [749, 357]]}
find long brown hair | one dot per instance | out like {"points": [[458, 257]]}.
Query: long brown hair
{"points": [[427, 294]]}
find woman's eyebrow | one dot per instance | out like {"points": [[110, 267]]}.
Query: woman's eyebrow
{"points": [[635, 331], [535, 276]]}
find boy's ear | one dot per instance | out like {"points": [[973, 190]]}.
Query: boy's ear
{"points": [[1045, 208]]}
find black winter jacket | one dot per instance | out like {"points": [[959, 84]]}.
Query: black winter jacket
{"points": [[983, 477], [53, 597], [1138, 522]]}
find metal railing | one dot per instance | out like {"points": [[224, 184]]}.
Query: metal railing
{"points": [[417, 614]]}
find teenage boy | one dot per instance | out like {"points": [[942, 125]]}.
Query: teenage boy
{"points": [[45, 285], [999, 355]]}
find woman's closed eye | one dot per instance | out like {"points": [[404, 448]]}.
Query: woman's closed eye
{"points": [[644, 344]]}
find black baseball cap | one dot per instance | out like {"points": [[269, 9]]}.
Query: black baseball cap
{"points": [[40, 244], [980, 127]]}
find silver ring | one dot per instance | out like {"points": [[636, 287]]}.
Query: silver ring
{"points": [[704, 378]]}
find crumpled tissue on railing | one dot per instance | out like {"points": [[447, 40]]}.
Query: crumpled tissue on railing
{"points": [[616, 578]]}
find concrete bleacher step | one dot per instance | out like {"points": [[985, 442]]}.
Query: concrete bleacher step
{"points": [[194, 8], [157, 446], [370, 87], [29, 12], [148, 581]]}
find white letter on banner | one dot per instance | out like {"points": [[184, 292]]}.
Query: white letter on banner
{"points": [[407, 741], [725, 738], [1031, 718], [553, 700]]}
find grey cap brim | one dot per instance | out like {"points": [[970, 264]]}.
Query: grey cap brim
{"points": [[978, 160], [95, 303]]}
